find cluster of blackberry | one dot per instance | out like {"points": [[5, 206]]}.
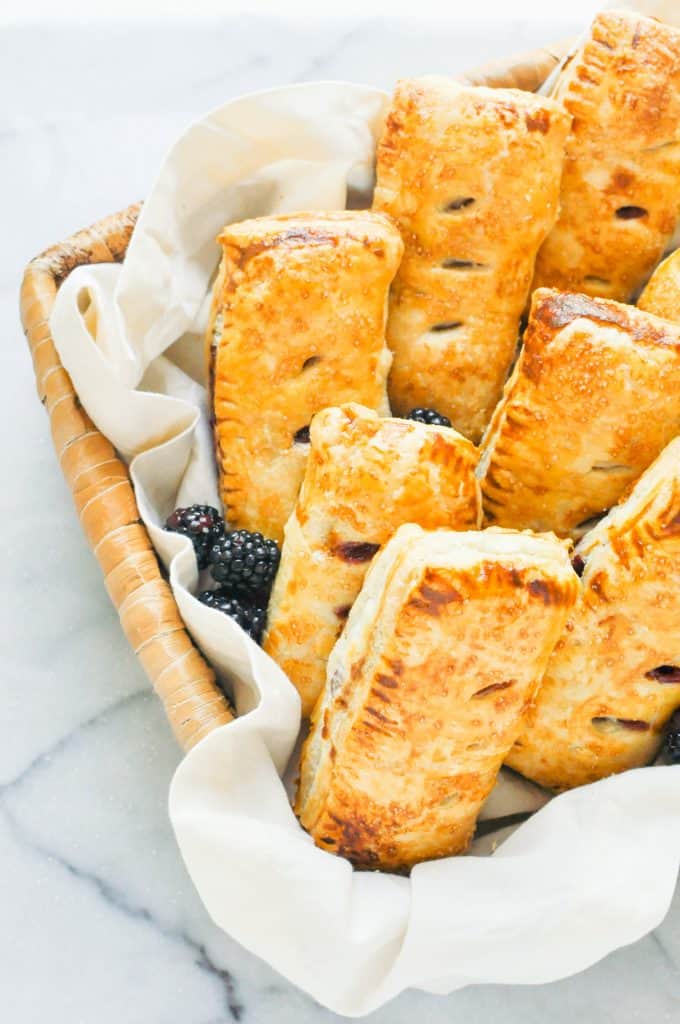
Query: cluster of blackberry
{"points": [[243, 564], [429, 416]]}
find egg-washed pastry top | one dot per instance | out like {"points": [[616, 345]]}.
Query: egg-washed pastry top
{"points": [[661, 295], [297, 324], [427, 689], [613, 680], [471, 177], [365, 476], [620, 195], [593, 399]]}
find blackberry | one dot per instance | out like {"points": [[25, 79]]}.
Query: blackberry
{"points": [[202, 524], [250, 618], [245, 563], [429, 416], [672, 744]]}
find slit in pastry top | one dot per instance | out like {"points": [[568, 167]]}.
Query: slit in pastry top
{"points": [[620, 195], [427, 689], [471, 177], [613, 680], [365, 476], [593, 399], [297, 324]]}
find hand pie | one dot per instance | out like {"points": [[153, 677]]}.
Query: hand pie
{"points": [[427, 690], [471, 177], [614, 678], [620, 196], [365, 477], [297, 323], [594, 398], [662, 292]]}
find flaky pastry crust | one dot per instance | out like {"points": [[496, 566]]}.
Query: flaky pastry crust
{"points": [[365, 477], [471, 177], [594, 398], [427, 690], [620, 196], [297, 324], [661, 295], [614, 678]]}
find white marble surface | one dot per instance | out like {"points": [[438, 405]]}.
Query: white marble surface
{"points": [[99, 919]]}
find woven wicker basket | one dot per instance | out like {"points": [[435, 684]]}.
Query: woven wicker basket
{"points": [[100, 482]]}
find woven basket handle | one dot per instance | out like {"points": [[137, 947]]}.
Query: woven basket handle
{"points": [[100, 482], [103, 495]]}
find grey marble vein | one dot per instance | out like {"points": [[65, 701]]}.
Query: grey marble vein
{"points": [[44, 757], [117, 898]]}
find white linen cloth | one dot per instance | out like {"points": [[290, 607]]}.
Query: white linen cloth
{"points": [[592, 870]]}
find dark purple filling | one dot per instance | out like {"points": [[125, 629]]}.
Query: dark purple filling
{"points": [[633, 724], [356, 551], [631, 212], [492, 688], [664, 674], [301, 436]]}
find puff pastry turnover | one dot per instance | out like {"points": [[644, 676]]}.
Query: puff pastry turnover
{"points": [[471, 177], [662, 292], [365, 477], [427, 690], [614, 678], [620, 196], [593, 399], [297, 323]]}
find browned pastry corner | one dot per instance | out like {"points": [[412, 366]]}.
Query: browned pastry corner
{"points": [[471, 177], [614, 678], [365, 477], [620, 197], [104, 498], [297, 324], [662, 292], [427, 690], [593, 399]]}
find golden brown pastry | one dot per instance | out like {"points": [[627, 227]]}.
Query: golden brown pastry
{"points": [[614, 678], [297, 323], [662, 292], [471, 177], [365, 477], [620, 196], [594, 398], [427, 690]]}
